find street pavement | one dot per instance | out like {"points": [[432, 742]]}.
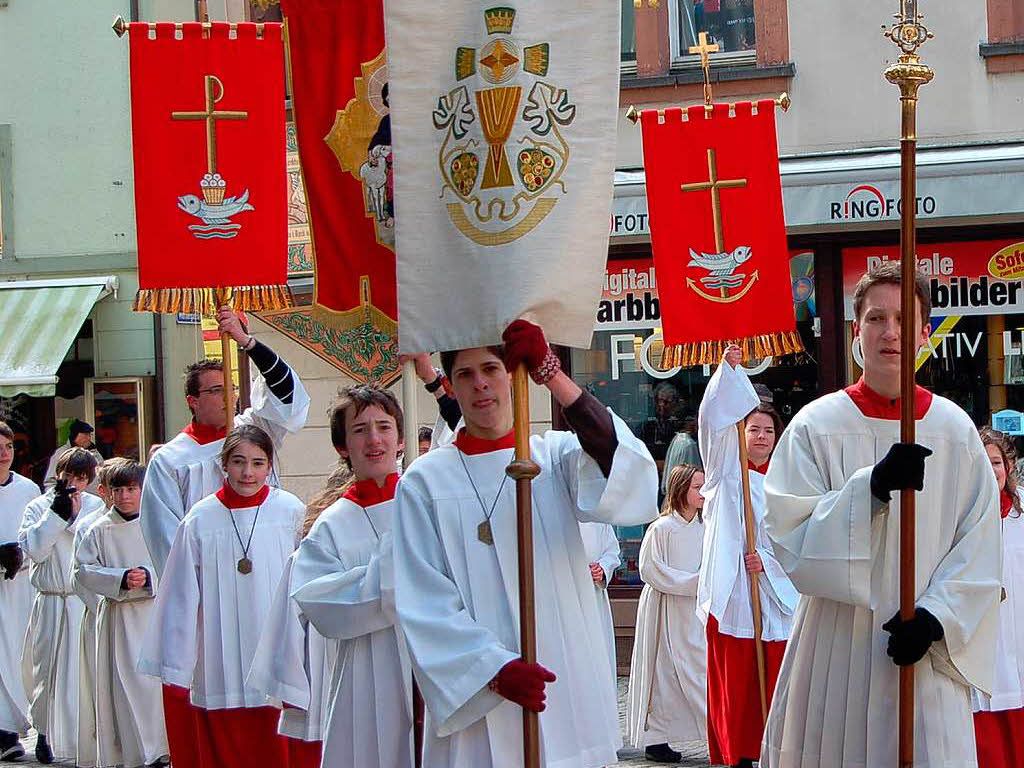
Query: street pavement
{"points": [[695, 753]]}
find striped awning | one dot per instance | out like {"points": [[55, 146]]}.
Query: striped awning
{"points": [[39, 320]]}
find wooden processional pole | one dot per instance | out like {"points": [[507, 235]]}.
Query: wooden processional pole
{"points": [[909, 74], [523, 470]]}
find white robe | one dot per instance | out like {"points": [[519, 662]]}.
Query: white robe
{"points": [[129, 705], [668, 675], [601, 546], [208, 617], [723, 590], [15, 607], [835, 701], [343, 583], [50, 666], [1008, 680], [458, 601], [182, 471], [294, 664], [87, 679]]}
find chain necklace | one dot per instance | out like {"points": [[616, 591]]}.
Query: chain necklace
{"points": [[374, 527], [245, 564], [483, 531]]}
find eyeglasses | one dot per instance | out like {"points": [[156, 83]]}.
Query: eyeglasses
{"points": [[218, 391]]}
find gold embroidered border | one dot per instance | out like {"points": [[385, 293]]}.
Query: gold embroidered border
{"points": [[711, 352]]}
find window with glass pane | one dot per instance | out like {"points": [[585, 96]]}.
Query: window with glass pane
{"points": [[729, 23], [628, 47]]}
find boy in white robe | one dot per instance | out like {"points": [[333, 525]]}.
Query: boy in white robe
{"points": [[668, 675], [188, 468], [113, 564], [215, 595], [15, 599], [455, 558], [342, 582], [833, 517], [601, 546], [51, 663]]}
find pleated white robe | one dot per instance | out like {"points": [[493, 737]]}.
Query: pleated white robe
{"points": [[1008, 679], [294, 664], [668, 675], [343, 584], [182, 471], [50, 667], [601, 546], [86, 651], [723, 589], [835, 701], [208, 617], [15, 607], [129, 705], [458, 601]]}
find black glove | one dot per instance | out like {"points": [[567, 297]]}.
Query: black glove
{"points": [[909, 640], [11, 559], [61, 505], [902, 467]]}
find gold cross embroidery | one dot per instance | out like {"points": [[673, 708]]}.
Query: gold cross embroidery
{"points": [[211, 115], [714, 184]]}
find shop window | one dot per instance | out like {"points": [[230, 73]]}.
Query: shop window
{"points": [[728, 23], [622, 369], [627, 49]]}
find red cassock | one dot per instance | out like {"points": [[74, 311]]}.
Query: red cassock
{"points": [[735, 722], [1000, 738]]}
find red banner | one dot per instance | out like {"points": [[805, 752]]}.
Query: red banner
{"points": [[717, 231], [208, 132], [340, 92]]}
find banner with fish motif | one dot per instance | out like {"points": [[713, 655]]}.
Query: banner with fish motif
{"points": [[340, 84], [211, 197], [718, 234], [503, 121]]}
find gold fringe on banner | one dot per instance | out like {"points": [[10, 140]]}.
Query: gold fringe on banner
{"points": [[204, 301], [711, 352]]}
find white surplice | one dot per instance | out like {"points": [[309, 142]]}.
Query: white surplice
{"points": [[208, 616], [50, 667], [668, 675], [835, 701], [15, 607], [343, 583], [1008, 680], [458, 603], [86, 652], [601, 546], [294, 664], [723, 590], [129, 705], [182, 471]]}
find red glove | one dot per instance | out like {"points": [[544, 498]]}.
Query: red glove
{"points": [[523, 683], [525, 343]]}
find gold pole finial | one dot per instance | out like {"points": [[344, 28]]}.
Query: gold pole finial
{"points": [[120, 26], [705, 50]]}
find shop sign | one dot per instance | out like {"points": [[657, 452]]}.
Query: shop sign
{"points": [[968, 278]]}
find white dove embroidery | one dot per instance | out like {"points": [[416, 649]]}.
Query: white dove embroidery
{"points": [[720, 264], [215, 214]]}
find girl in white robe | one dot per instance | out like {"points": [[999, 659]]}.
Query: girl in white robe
{"points": [[113, 564], [15, 606], [215, 595], [668, 677], [999, 717]]}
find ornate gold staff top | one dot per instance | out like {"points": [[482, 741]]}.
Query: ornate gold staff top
{"points": [[909, 74]]}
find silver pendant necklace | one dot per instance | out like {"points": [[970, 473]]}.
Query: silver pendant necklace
{"points": [[483, 531]]}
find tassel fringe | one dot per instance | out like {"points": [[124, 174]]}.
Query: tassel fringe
{"points": [[711, 352], [204, 301]]}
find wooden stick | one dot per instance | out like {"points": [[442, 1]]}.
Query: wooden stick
{"points": [[229, 384], [755, 587], [411, 450], [523, 470]]}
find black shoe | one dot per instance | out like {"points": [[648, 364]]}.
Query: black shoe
{"points": [[746, 762], [662, 753], [160, 762], [43, 752], [10, 748]]}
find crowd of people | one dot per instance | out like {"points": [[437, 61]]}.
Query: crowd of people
{"points": [[192, 611]]}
